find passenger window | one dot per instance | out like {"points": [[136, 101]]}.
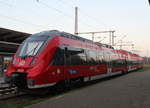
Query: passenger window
{"points": [[74, 57], [58, 57]]}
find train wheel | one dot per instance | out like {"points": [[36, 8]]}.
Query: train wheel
{"points": [[81, 81], [77, 82], [61, 86], [69, 84], [124, 72]]}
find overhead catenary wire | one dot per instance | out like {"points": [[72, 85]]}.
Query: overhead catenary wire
{"points": [[120, 39], [82, 12], [71, 18], [63, 13], [66, 3], [57, 10], [21, 9], [48, 6], [18, 20], [25, 22], [97, 22], [94, 19], [34, 13]]}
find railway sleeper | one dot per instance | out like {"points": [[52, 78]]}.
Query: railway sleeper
{"points": [[7, 90]]}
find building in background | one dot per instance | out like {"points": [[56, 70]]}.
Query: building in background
{"points": [[9, 42]]}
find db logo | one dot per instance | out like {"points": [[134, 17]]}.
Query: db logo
{"points": [[21, 63]]}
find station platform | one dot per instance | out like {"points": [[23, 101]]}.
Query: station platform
{"points": [[127, 91]]}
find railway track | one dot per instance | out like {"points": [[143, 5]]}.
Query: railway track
{"points": [[8, 91]]}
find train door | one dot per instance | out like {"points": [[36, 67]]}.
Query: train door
{"points": [[109, 61], [58, 64], [66, 62], [63, 59], [72, 61], [125, 64]]}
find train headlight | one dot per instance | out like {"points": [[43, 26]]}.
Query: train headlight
{"points": [[30, 82]]}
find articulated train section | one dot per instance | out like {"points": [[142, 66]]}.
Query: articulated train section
{"points": [[54, 58]]}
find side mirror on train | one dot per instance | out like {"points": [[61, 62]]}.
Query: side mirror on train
{"points": [[149, 2]]}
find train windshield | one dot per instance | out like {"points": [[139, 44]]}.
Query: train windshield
{"points": [[32, 46]]}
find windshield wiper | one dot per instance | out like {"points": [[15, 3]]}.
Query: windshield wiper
{"points": [[33, 50]]}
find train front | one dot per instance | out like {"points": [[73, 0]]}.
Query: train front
{"points": [[27, 68]]}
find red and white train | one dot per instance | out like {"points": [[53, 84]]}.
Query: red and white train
{"points": [[52, 57]]}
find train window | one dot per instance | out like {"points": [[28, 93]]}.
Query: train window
{"points": [[129, 62], [74, 56], [68, 59], [110, 56], [78, 59], [83, 58], [58, 57], [31, 48], [100, 57], [106, 57], [91, 57], [32, 45], [118, 63], [87, 57]]}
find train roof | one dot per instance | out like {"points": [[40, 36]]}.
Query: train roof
{"points": [[128, 53], [52, 33], [71, 36]]}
